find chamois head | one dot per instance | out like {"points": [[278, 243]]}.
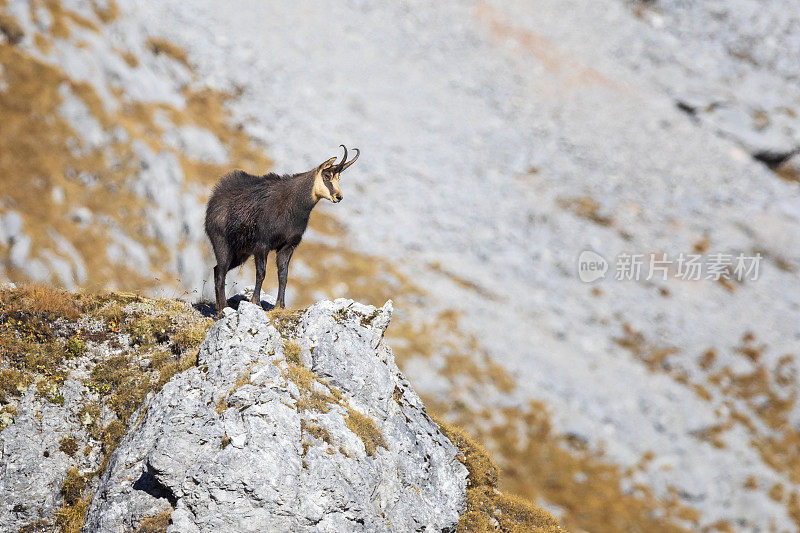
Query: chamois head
{"points": [[326, 180]]}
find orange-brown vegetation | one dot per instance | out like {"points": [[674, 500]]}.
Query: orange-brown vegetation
{"points": [[43, 153], [155, 524], [763, 397], [161, 46], [588, 208], [488, 509]]}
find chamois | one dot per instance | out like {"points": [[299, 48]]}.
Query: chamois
{"points": [[251, 215]]}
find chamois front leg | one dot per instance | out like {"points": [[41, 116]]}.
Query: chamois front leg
{"points": [[260, 257], [223, 256], [219, 288], [282, 259]]}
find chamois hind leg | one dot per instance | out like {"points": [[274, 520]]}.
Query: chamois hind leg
{"points": [[282, 259], [260, 257]]}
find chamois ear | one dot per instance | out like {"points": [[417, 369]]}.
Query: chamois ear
{"points": [[327, 164]]}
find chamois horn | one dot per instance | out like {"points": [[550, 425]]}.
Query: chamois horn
{"points": [[344, 158], [345, 163]]}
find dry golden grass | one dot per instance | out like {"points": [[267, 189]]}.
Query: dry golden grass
{"points": [[653, 356], [291, 352], [788, 173], [11, 28], [486, 505], [73, 486], [108, 12], [155, 524], [367, 431], [315, 394], [40, 154], [593, 500], [764, 397], [161, 46], [314, 430], [42, 301], [69, 518], [11, 381], [535, 462], [702, 245], [68, 445], [318, 432], [33, 349], [588, 208], [130, 59], [284, 320]]}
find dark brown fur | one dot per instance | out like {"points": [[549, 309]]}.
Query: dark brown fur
{"points": [[252, 215]]}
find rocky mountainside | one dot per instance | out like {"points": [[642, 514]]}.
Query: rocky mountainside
{"points": [[500, 141], [269, 435], [287, 421]]}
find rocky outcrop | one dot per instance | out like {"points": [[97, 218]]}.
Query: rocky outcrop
{"points": [[298, 422]]}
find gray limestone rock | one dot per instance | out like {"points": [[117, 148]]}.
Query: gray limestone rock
{"points": [[260, 437]]}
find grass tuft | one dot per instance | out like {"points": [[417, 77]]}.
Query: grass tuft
{"points": [[75, 346], [68, 445], [314, 392], [70, 518], [588, 208], [291, 352], [73, 486], [11, 384], [367, 431], [161, 46], [284, 320], [155, 524], [488, 509], [41, 301]]}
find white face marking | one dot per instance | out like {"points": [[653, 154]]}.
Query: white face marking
{"points": [[335, 184], [320, 190]]}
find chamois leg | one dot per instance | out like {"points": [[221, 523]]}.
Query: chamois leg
{"points": [[282, 259], [219, 288], [220, 271], [260, 257]]}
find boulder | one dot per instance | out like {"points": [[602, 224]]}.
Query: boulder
{"points": [[298, 422]]}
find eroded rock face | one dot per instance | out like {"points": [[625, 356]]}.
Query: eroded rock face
{"points": [[263, 436]]}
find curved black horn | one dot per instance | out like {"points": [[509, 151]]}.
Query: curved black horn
{"points": [[344, 166], [344, 159]]}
